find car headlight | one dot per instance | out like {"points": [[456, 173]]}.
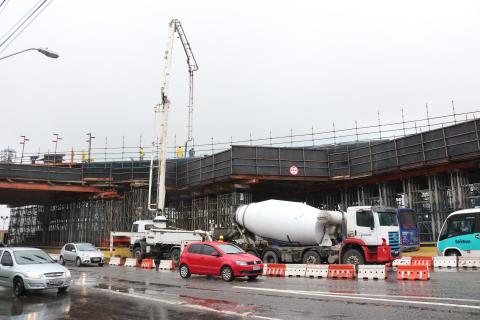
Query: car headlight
{"points": [[68, 274], [34, 275], [240, 263]]}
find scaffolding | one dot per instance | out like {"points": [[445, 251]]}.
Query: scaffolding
{"points": [[81, 221], [93, 220]]}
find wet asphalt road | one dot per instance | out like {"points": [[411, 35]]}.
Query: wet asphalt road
{"points": [[123, 293]]}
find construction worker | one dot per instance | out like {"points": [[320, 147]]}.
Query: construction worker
{"points": [[141, 153], [180, 152], [84, 156]]}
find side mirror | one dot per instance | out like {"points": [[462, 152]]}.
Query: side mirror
{"points": [[73, 250], [215, 254]]}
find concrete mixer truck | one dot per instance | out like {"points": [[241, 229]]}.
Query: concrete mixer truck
{"points": [[284, 231]]}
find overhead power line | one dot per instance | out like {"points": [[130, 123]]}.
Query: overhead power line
{"points": [[3, 5], [23, 24]]}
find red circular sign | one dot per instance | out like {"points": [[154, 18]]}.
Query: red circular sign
{"points": [[293, 170]]}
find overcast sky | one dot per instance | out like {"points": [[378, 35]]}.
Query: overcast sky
{"points": [[264, 65]]}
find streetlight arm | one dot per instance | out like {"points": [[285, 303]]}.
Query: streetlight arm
{"points": [[14, 54], [44, 51]]}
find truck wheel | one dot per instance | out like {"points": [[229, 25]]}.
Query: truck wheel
{"points": [[227, 274], [175, 254], [311, 257], [270, 257], [137, 253], [353, 256]]}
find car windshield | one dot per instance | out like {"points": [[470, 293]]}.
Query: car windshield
{"points": [[230, 249], [32, 257], [86, 247], [388, 219]]}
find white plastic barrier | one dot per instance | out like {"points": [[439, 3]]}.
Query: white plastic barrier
{"points": [[130, 262], [316, 271], [115, 261], [165, 265], [404, 261], [372, 272], [469, 262], [445, 262], [265, 265], [295, 270]]}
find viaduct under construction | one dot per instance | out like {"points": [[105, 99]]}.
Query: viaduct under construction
{"points": [[434, 171]]}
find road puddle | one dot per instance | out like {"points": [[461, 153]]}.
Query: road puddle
{"points": [[219, 305]]}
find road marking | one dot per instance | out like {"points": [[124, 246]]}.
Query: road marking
{"points": [[359, 297], [406, 297], [184, 304]]}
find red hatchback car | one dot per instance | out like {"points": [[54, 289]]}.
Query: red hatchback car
{"points": [[219, 258]]}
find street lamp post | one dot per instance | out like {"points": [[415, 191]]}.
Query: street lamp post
{"points": [[24, 140], [45, 51], [89, 140], [56, 139]]}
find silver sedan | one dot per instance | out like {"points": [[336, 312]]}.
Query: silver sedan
{"points": [[25, 269]]}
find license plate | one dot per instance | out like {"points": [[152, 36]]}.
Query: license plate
{"points": [[55, 282], [256, 268], [95, 259]]}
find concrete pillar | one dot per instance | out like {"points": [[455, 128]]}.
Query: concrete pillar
{"points": [[432, 205]]}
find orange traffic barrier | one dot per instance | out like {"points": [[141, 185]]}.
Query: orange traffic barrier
{"points": [[343, 271], [276, 270], [148, 264], [422, 261], [413, 272]]}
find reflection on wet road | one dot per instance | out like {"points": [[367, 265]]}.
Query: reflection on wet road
{"points": [[122, 293]]}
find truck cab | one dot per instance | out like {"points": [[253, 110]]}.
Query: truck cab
{"points": [[372, 235], [142, 225]]}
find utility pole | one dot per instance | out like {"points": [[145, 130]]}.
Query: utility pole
{"points": [[24, 140], [89, 140], [55, 140]]}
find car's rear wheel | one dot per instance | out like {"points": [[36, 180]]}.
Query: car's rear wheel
{"points": [[252, 277], [78, 262], [18, 287], [184, 271], [227, 274], [62, 261], [62, 289]]}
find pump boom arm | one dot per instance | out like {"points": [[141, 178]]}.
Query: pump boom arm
{"points": [[174, 26]]}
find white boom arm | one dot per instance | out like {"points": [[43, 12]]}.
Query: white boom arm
{"points": [[173, 27]]}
